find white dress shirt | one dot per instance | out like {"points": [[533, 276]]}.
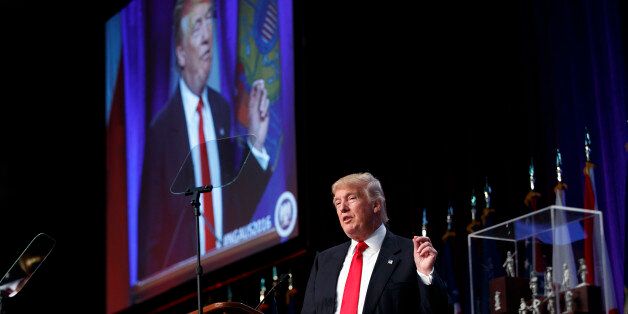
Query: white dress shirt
{"points": [[190, 102], [369, 257]]}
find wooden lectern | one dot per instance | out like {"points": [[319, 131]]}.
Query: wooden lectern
{"points": [[229, 307]]}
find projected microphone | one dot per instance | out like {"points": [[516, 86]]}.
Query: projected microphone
{"points": [[281, 280]]}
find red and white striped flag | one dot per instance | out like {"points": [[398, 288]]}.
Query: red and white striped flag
{"points": [[590, 250]]}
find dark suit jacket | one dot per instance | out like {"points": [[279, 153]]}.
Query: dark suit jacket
{"points": [[166, 227], [394, 287]]}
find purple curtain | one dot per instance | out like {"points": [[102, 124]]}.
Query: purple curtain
{"points": [[133, 57], [575, 55]]}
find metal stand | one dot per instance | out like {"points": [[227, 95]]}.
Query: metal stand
{"points": [[197, 214]]}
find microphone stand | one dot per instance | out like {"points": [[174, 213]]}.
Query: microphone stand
{"points": [[280, 281], [197, 214]]}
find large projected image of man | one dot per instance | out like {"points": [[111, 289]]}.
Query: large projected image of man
{"points": [[194, 114]]}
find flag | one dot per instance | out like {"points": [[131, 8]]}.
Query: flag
{"points": [[117, 247], [534, 255], [590, 202], [475, 258], [564, 234], [448, 258], [531, 200], [534, 250], [291, 297], [559, 191], [490, 258]]}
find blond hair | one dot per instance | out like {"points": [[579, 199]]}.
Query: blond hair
{"points": [[369, 185]]}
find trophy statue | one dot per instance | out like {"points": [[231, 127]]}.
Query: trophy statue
{"points": [[509, 289], [569, 302], [582, 272], [509, 265], [523, 308], [585, 297], [536, 309], [549, 286], [498, 305], [566, 277], [551, 304], [551, 307], [534, 284]]}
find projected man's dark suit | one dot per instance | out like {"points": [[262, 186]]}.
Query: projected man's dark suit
{"points": [[166, 229]]}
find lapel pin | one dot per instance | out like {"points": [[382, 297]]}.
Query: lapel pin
{"points": [[390, 262]]}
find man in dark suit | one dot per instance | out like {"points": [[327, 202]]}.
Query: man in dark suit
{"points": [[391, 274], [194, 115]]}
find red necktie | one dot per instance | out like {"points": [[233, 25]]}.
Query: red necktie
{"points": [[352, 288], [208, 208]]}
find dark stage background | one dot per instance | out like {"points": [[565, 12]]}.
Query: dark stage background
{"points": [[433, 99]]}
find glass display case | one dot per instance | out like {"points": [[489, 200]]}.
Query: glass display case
{"points": [[549, 261]]}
